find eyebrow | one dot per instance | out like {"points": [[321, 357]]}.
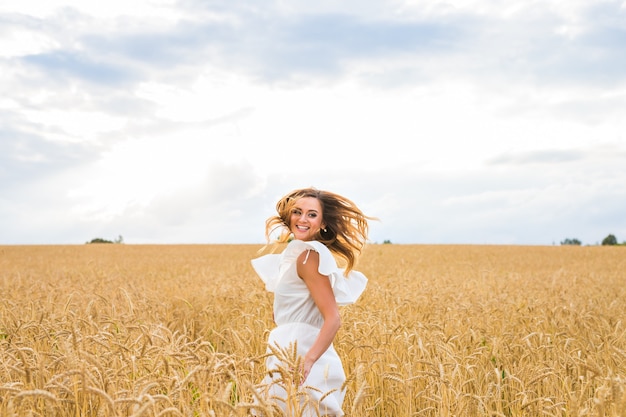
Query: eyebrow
{"points": [[308, 211]]}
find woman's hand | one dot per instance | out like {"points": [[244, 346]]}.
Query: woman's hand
{"points": [[307, 364]]}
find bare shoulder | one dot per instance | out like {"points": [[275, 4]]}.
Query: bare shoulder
{"points": [[308, 263]]}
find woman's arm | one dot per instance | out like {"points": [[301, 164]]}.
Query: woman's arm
{"points": [[322, 293]]}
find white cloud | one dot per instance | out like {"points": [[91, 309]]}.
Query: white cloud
{"points": [[19, 42], [112, 8]]}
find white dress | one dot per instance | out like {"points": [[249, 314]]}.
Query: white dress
{"points": [[298, 319]]}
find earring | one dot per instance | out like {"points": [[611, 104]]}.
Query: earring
{"points": [[324, 230]]}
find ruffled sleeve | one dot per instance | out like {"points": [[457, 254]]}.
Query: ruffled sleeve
{"points": [[348, 289], [267, 268]]}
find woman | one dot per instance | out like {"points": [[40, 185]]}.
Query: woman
{"points": [[308, 287]]}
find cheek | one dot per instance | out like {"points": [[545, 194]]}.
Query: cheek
{"points": [[291, 222]]}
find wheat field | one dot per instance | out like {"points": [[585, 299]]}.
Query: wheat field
{"points": [[441, 330]]}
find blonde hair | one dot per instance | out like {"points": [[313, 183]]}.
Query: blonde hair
{"points": [[346, 225]]}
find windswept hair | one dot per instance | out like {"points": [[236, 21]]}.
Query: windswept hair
{"points": [[346, 225]]}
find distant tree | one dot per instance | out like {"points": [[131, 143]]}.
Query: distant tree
{"points": [[386, 242], [99, 240], [609, 240], [119, 239], [569, 241]]}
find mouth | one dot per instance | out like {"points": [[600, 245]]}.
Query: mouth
{"points": [[302, 228]]}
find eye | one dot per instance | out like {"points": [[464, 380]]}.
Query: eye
{"points": [[296, 212], [312, 215]]}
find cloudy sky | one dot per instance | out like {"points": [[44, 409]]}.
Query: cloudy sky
{"points": [[183, 121]]}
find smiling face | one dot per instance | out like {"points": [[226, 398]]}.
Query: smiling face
{"points": [[306, 221]]}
